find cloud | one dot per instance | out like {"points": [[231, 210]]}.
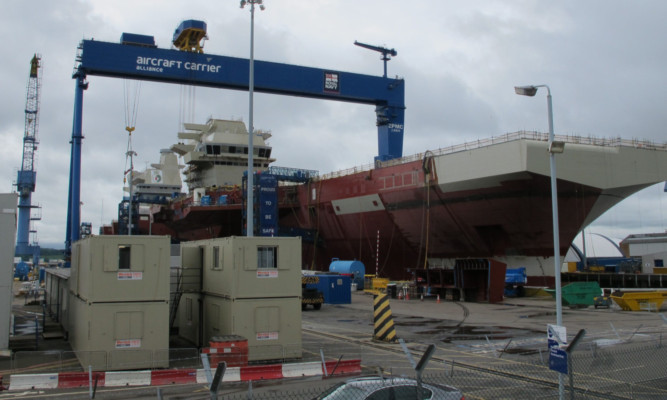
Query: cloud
{"points": [[604, 61]]}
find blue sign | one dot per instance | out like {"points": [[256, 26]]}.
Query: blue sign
{"points": [[268, 205], [558, 360]]}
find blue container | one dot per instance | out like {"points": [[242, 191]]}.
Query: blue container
{"points": [[137, 40], [42, 274], [336, 288], [355, 268], [206, 200], [21, 271], [222, 200]]}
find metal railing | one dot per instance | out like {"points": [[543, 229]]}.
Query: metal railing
{"points": [[508, 137]]}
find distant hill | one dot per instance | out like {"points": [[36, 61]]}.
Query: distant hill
{"points": [[52, 253], [48, 254]]}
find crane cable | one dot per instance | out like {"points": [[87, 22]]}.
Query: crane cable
{"points": [[130, 123]]}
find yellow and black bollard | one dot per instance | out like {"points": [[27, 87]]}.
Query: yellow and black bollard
{"points": [[383, 320]]}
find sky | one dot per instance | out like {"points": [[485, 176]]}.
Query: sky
{"points": [[604, 61]]}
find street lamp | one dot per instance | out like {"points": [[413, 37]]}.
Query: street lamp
{"points": [[554, 148], [251, 87]]}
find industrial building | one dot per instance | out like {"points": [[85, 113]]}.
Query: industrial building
{"points": [[7, 241], [651, 247]]}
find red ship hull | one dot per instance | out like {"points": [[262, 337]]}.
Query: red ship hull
{"points": [[492, 201]]}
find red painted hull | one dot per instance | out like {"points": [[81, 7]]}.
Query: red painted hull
{"points": [[491, 200], [415, 220]]}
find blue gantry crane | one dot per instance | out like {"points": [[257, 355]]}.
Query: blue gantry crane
{"points": [[139, 58], [27, 176]]}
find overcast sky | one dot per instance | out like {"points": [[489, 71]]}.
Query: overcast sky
{"points": [[604, 60]]}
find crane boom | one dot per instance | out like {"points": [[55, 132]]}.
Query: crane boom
{"points": [[26, 179], [385, 53]]}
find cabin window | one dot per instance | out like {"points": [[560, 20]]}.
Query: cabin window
{"points": [[658, 263], [213, 149], [267, 257], [124, 256], [232, 149], [188, 309], [216, 258], [262, 152]]}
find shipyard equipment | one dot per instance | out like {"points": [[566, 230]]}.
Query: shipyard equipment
{"points": [[386, 53], [311, 295], [27, 176], [190, 35], [354, 268], [515, 280], [138, 59]]}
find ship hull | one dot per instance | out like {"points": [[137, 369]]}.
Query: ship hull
{"points": [[487, 201]]}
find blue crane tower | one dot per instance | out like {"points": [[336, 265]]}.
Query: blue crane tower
{"points": [[25, 182]]}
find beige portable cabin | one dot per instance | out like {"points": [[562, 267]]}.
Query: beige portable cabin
{"points": [[120, 336], [251, 287], [119, 302], [121, 268], [247, 267], [271, 325]]}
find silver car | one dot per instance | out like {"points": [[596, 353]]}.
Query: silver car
{"points": [[378, 388]]}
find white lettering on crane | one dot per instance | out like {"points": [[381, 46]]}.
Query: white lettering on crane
{"points": [[158, 64]]}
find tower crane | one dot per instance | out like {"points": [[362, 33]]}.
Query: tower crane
{"points": [[25, 182]]}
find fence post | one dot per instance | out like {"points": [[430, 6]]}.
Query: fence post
{"points": [[90, 381], [570, 348], [207, 368], [324, 364], [505, 349], [36, 333]]}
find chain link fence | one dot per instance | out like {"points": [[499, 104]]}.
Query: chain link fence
{"points": [[632, 368], [622, 370]]}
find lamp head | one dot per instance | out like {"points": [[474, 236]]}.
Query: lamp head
{"points": [[525, 90]]}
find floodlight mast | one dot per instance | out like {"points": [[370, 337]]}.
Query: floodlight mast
{"points": [[385, 53], [250, 227]]}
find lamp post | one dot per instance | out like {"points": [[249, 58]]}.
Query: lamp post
{"points": [[251, 87], [554, 147]]}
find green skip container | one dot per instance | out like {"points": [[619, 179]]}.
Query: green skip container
{"points": [[578, 294]]}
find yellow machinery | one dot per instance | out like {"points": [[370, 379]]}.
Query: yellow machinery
{"points": [[190, 35]]}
